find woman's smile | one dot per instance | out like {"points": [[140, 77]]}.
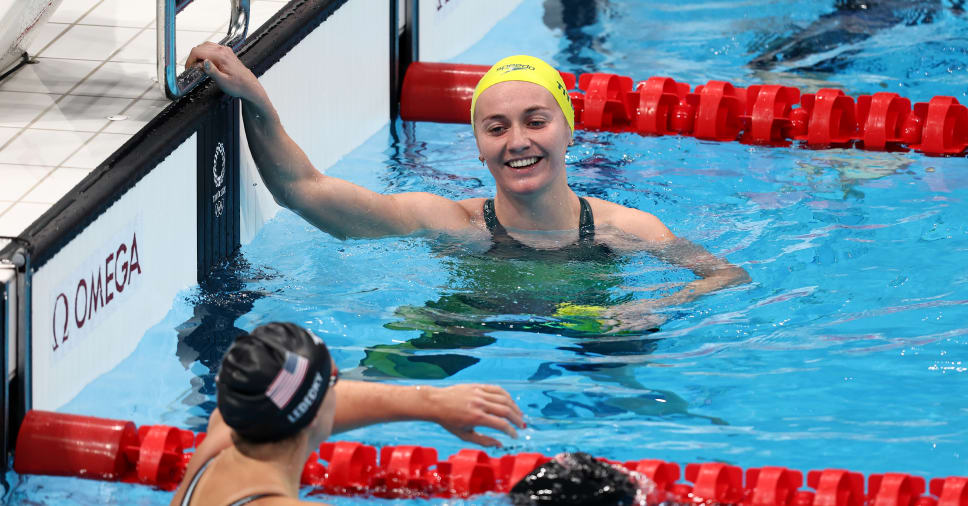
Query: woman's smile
{"points": [[523, 163]]}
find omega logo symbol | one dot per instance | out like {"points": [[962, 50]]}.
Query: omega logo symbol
{"points": [[218, 174], [218, 165]]}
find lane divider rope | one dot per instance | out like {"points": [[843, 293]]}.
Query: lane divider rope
{"points": [[766, 115], [156, 455]]}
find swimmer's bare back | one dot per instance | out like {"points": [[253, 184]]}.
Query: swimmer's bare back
{"points": [[223, 483]]}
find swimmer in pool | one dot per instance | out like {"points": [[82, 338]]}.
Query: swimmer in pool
{"points": [[579, 479], [523, 123], [279, 397], [830, 43]]}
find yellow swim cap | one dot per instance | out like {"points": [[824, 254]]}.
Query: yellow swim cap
{"points": [[532, 70]]}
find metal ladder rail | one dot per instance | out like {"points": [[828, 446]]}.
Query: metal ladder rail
{"points": [[176, 85]]}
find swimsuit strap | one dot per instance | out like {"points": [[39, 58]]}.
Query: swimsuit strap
{"points": [[586, 220], [490, 219], [253, 497], [191, 486], [187, 499]]}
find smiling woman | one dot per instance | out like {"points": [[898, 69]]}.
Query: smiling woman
{"points": [[523, 125]]}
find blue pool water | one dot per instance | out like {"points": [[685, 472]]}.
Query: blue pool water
{"points": [[846, 350]]}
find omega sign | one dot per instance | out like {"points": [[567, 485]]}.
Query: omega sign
{"points": [[102, 283]]}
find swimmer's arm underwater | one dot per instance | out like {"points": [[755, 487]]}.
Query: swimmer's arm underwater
{"points": [[337, 207], [714, 273], [651, 235]]}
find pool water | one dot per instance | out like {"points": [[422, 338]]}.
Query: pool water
{"points": [[846, 350]]}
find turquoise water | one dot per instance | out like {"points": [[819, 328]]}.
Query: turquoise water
{"points": [[847, 345]]}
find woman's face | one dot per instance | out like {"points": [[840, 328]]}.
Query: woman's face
{"points": [[523, 136]]}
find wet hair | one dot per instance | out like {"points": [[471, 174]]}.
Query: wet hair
{"points": [[272, 382], [576, 479]]}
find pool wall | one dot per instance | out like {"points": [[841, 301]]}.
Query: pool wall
{"points": [[113, 281], [342, 66], [450, 27], [84, 282]]}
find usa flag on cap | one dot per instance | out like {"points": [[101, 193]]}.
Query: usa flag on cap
{"points": [[286, 383]]}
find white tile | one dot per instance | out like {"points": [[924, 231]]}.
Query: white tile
{"points": [[138, 115], [83, 42], [81, 112], [19, 179], [55, 185], [131, 13], [155, 93], [18, 217], [7, 133], [117, 79], [260, 12], [70, 11], [49, 75], [96, 150], [143, 48], [204, 15], [42, 147], [43, 34], [20, 108], [4, 205]]}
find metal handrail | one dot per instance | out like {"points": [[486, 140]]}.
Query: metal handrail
{"points": [[177, 85]]}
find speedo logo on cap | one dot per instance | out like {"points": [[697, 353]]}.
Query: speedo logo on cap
{"points": [[511, 67], [564, 92], [307, 400]]}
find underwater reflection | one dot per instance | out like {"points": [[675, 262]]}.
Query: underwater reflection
{"points": [[540, 292], [829, 43], [222, 298]]}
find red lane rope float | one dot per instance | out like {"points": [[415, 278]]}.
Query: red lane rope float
{"points": [[769, 115], [113, 450]]}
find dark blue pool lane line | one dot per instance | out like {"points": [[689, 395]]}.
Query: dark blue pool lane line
{"points": [[218, 186]]}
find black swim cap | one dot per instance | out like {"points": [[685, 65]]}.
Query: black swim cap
{"points": [[577, 479], [272, 381]]}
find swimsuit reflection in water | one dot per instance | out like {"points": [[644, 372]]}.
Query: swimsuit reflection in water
{"points": [[512, 287]]}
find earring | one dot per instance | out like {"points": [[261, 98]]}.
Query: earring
{"points": [[481, 158]]}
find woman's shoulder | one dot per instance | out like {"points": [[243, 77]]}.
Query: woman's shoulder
{"points": [[628, 219], [611, 214], [474, 207]]}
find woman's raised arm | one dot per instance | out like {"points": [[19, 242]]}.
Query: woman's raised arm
{"points": [[335, 206]]}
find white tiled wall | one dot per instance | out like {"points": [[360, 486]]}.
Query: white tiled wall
{"points": [[94, 59]]}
